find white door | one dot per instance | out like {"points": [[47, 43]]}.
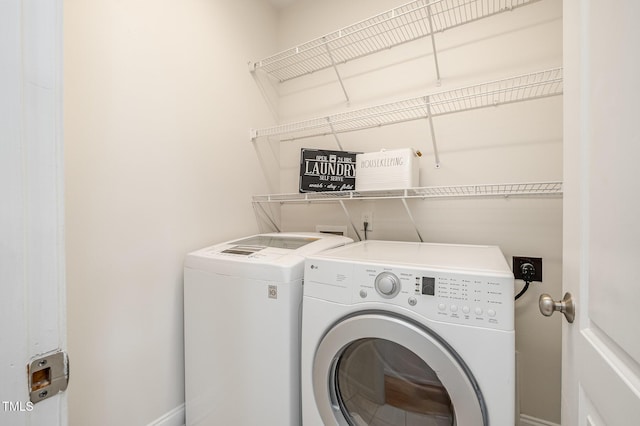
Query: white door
{"points": [[601, 349], [32, 297]]}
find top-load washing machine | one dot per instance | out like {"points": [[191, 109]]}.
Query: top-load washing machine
{"points": [[398, 333], [242, 309]]}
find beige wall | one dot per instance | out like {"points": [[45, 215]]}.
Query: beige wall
{"points": [[157, 105], [512, 143]]}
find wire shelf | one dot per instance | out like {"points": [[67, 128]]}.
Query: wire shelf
{"points": [[514, 89], [411, 21], [528, 189]]}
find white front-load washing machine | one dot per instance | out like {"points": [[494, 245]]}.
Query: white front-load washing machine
{"points": [[399, 333], [242, 312]]}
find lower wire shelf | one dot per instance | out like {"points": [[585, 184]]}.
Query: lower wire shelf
{"points": [[500, 190], [457, 191]]}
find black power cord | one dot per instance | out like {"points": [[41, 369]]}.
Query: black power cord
{"points": [[365, 225], [523, 291], [528, 272]]}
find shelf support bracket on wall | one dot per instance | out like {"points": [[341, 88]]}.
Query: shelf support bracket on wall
{"points": [[436, 156], [258, 206], [346, 212], [413, 222], [335, 68], [335, 135], [433, 43]]}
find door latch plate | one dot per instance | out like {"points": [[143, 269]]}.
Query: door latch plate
{"points": [[48, 375]]}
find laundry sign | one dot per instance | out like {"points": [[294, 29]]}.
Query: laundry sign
{"points": [[322, 170]]}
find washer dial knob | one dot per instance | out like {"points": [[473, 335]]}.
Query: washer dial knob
{"points": [[387, 284]]}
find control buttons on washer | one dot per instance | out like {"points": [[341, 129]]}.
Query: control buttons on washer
{"points": [[413, 301], [491, 313], [478, 311], [453, 308], [387, 284], [363, 293], [466, 309], [442, 306]]}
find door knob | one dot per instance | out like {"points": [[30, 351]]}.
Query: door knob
{"points": [[548, 306]]}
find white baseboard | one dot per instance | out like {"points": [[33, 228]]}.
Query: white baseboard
{"points": [[174, 417], [532, 421]]}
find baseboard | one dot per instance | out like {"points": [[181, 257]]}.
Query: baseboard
{"points": [[174, 417], [532, 421]]}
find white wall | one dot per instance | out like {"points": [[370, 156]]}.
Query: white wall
{"points": [[158, 103], [513, 143]]}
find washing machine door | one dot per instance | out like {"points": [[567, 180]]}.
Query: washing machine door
{"points": [[379, 368]]}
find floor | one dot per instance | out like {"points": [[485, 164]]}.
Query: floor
{"points": [[371, 414]]}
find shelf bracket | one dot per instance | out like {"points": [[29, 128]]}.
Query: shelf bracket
{"points": [[335, 68], [335, 135], [432, 131], [258, 206], [413, 222], [433, 43], [346, 212]]}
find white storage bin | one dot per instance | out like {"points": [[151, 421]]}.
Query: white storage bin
{"points": [[392, 169]]}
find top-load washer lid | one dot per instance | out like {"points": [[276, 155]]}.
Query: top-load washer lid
{"points": [[250, 245], [271, 257]]}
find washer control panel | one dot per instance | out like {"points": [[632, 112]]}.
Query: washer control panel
{"points": [[476, 299]]}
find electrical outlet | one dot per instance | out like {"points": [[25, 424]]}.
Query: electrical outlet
{"points": [[366, 217], [518, 261]]}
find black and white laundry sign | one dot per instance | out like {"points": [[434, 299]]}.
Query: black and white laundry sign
{"points": [[322, 170]]}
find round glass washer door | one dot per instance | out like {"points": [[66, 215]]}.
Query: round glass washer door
{"points": [[380, 369]]}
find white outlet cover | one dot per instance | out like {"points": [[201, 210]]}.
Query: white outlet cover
{"points": [[366, 217]]}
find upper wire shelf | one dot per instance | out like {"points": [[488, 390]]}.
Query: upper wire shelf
{"points": [[514, 89], [411, 21], [526, 189]]}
